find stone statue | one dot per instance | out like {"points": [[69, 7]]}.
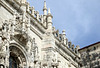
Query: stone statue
{"points": [[28, 46], [5, 29], [3, 49], [34, 50]]}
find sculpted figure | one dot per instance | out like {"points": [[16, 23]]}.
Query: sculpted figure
{"points": [[28, 46], [4, 48]]}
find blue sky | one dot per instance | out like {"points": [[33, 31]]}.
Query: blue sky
{"points": [[80, 18]]}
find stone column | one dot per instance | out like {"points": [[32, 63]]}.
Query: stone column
{"points": [[23, 21], [7, 53], [13, 24], [2, 51], [64, 37], [5, 41], [28, 26]]}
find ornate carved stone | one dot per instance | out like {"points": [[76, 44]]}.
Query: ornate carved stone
{"points": [[69, 44], [28, 40]]}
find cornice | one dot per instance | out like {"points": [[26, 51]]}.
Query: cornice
{"points": [[40, 24], [6, 6], [62, 53], [37, 25], [67, 51], [64, 46], [94, 44]]}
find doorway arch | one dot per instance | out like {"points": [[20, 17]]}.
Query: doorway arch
{"points": [[18, 56]]}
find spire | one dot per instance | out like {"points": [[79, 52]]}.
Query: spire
{"points": [[64, 37], [49, 11], [63, 32], [45, 8]]}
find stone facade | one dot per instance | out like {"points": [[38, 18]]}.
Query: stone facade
{"points": [[28, 40], [90, 56]]}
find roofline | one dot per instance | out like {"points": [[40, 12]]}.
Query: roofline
{"points": [[89, 45]]}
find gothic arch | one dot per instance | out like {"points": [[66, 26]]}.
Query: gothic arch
{"points": [[20, 52]]}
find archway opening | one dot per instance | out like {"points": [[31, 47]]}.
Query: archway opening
{"points": [[17, 58], [13, 61]]}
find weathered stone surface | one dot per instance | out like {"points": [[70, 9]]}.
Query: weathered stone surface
{"points": [[28, 40]]}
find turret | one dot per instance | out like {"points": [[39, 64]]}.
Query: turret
{"points": [[64, 36], [44, 14], [49, 20]]}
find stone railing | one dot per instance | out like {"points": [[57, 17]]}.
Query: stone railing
{"points": [[62, 38]]}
